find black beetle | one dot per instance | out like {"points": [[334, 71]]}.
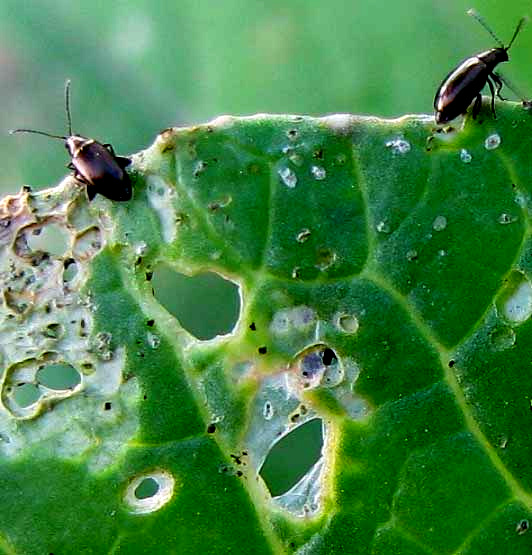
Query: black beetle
{"points": [[464, 84], [95, 164]]}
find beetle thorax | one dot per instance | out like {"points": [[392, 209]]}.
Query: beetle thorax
{"points": [[76, 143], [493, 56]]}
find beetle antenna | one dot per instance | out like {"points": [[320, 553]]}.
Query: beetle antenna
{"points": [[482, 21], [67, 106], [522, 21], [13, 131]]}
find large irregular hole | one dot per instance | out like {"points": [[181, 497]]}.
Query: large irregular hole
{"points": [[51, 238], [58, 376], [292, 457], [206, 305]]}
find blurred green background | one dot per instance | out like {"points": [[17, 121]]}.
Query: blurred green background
{"points": [[138, 66]]}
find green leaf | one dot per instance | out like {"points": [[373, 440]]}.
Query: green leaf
{"points": [[383, 338]]}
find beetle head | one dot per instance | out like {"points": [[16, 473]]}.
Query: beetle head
{"points": [[494, 56], [75, 143]]}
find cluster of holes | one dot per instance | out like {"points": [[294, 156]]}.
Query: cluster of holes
{"points": [[39, 242], [238, 460], [49, 381], [319, 365], [293, 463], [298, 414], [209, 296]]}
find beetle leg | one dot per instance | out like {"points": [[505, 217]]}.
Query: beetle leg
{"points": [[91, 192], [110, 149], [71, 166], [499, 83], [492, 90], [122, 161], [477, 105], [80, 178]]}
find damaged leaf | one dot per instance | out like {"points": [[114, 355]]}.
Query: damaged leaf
{"points": [[378, 284]]}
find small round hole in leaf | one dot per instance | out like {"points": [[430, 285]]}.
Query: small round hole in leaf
{"points": [[147, 488]]}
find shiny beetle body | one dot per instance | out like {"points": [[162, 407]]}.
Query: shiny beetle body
{"points": [[464, 84], [94, 164], [97, 166]]}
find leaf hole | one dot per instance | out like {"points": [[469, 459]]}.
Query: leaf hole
{"points": [[88, 243], [149, 492], [206, 305], [26, 394], [87, 368], [328, 356], [292, 457], [292, 134], [319, 365], [51, 238], [70, 270], [148, 487], [325, 258], [59, 376], [348, 323], [53, 330], [522, 527]]}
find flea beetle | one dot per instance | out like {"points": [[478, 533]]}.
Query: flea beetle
{"points": [[464, 84], [95, 164]]}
